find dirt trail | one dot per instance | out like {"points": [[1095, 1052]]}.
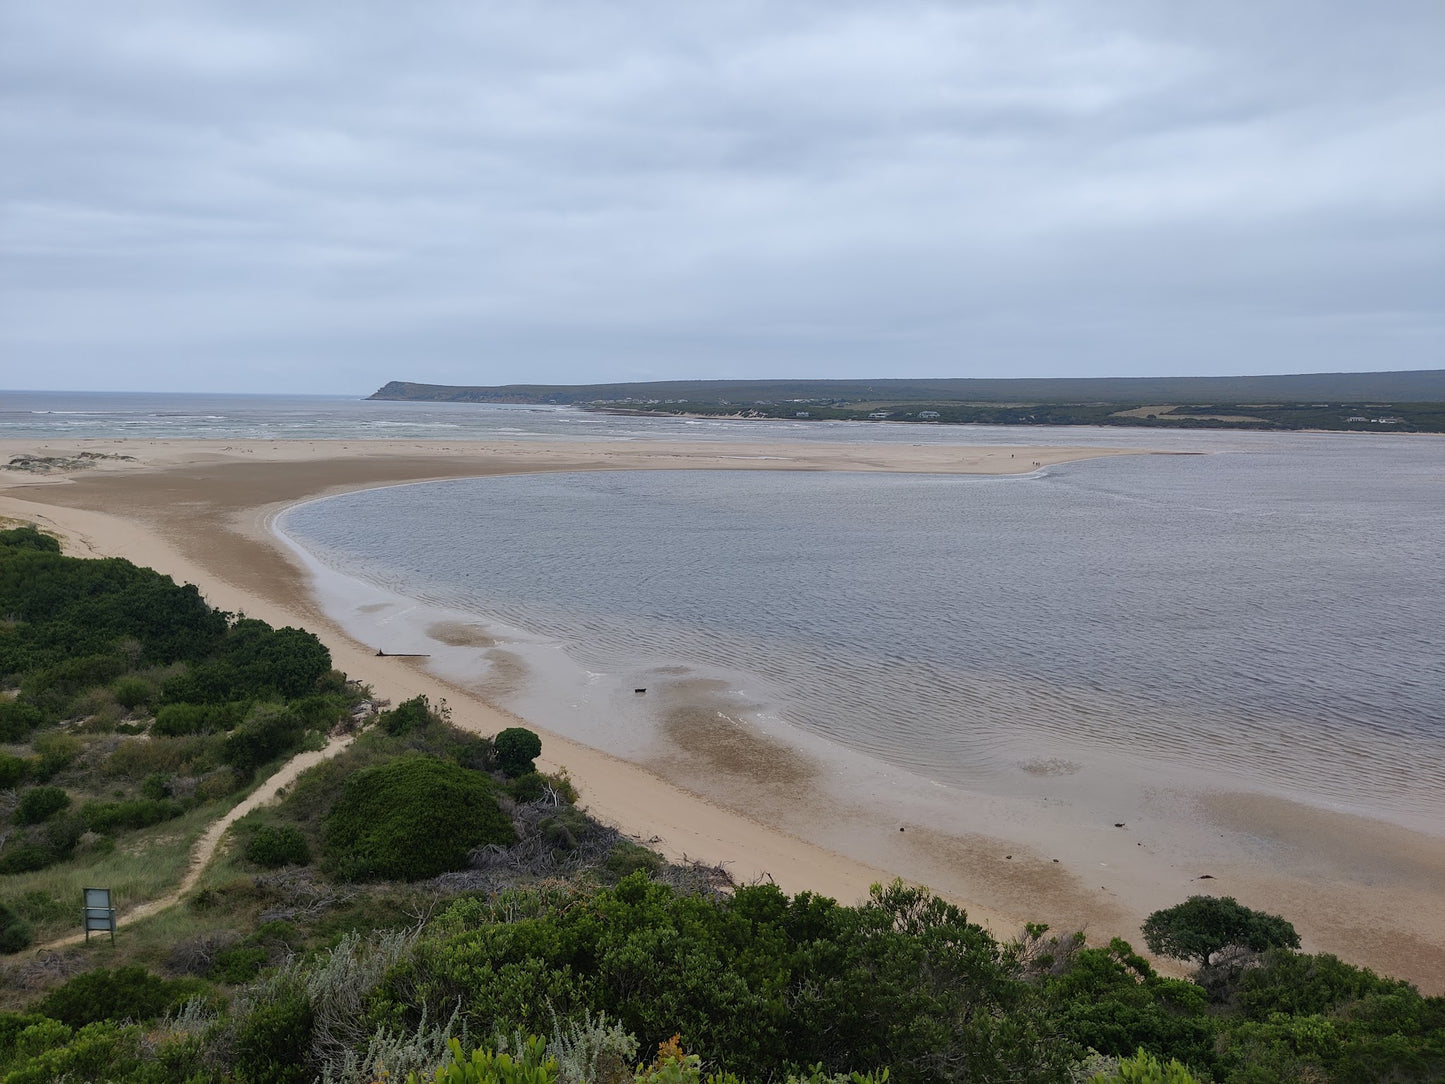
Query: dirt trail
{"points": [[205, 847]]}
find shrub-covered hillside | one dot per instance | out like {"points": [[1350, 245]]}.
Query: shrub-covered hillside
{"points": [[425, 905]]}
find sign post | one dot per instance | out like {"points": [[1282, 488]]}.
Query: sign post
{"points": [[99, 914]]}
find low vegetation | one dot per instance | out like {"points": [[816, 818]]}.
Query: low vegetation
{"points": [[427, 906]]}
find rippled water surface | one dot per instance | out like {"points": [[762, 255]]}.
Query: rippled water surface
{"points": [[1271, 612]]}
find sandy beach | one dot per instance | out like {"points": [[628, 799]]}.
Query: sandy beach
{"points": [[201, 511]]}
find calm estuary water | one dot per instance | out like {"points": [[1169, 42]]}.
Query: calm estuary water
{"points": [[1269, 615]]}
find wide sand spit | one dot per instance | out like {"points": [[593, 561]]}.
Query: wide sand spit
{"points": [[201, 511]]}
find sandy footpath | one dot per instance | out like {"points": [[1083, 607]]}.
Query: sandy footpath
{"points": [[200, 511]]}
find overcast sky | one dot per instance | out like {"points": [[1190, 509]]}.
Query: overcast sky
{"points": [[325, 196]]}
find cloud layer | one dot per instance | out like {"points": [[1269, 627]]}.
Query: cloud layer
{"points": [[322, 197]]}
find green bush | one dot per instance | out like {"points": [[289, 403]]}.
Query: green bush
{"points": [[56, 751], [273, 1039], [258, 741], [532, 1065], [127, 993], [12, 771], [517, 748], [627, 858], [1146, 1069], [178, 720], [156, 786], [218, 784], [18, 719], [238, 964], [38, 804], [528, 787], [15, 933], [411, 818], [107, 817], [1202, 925], [131, 692], [26, 858], [409, 715], [29, 537], [273, 845]]}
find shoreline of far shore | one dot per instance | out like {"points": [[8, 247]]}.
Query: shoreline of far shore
{"points": [[201, 511]]}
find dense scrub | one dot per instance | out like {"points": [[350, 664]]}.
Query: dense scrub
{"points": [[126, 701], [427, 906]]}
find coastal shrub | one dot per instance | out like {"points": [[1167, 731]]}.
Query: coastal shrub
{"points": [[12, 771], [1202, 925], [39, 804], [58, 682], [15, 933], [18, 718], [1323, 984], [218, 784], [756, 982], [1110, 1000], [137, 758], [516, 749], [407, 716], [107, 817], [258, 741], [275, 845], [61, 833], [131, 692], [528, 787], [29, 537], [26, 858], [627, 858], [238, 964], [127, 993], [288, 662], [56, 753], [156, 786], [1144, 1068], [411, 818], [176, 720], [320, 711], [531, 1065], [273, 1040]]}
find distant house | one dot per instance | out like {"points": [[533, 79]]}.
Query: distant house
{"points": [[801, 414], [878, 415], [928, 413]]}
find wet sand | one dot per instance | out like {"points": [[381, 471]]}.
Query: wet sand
{"points": [[716, 788]]}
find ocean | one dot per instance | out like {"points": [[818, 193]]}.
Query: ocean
{"points": [[1265, 616]]}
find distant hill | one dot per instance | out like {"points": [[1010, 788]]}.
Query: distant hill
{"points": [[1418, 386]]}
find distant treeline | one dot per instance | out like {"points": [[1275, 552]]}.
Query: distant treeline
{"points": [[1371, 402]]}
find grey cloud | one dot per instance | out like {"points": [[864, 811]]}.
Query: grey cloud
{"points": [[323, 197]]}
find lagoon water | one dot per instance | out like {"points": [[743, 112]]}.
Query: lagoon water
{"points": [[1267, 614]]}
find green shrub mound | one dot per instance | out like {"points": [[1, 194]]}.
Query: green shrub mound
{"points": [[39, 804], [409, 819], [127, 993], [407, 716], [275, 845], [517, 747], [15, 932]]}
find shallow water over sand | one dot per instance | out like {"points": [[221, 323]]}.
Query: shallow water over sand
{"points": [[1263, 618]]}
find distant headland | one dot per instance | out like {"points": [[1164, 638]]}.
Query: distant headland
{"points": [[1389, 402]]}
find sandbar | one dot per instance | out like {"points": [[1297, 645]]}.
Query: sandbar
{"points": [[201, 511]]}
